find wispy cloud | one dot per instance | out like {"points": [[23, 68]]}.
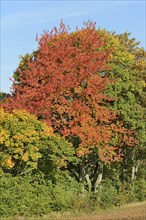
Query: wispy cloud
{"points": [[18, 19], [49, 14]]}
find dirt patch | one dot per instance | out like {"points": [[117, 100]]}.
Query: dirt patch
{"points": [[135, 211]]}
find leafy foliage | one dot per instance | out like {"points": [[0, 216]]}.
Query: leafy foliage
{"points": [[62, 83], [23, 139], [87, 92], [128, 73], [27, 196], [21, 197]]}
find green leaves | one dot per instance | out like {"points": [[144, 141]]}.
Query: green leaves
{"points": [[24, 140], [89, 86]]}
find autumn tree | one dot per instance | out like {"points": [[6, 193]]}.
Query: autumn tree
{"points": [[127, 70], [63, 83], [25, 142]]}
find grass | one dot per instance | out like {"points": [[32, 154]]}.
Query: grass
{"points": [[134, 211]]}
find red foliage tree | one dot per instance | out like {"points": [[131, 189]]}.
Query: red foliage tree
{"points": [[63, 84]]}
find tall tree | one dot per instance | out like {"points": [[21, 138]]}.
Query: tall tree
{"points": [[62, 83], [127, 70]]}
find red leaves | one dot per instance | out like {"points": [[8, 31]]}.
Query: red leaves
{"points": [[63, 84]]}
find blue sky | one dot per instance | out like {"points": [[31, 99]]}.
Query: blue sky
{"points": [[22, 20]]}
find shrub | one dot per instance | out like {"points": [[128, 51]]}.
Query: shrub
{"points": [[37, 195], [107, 194], [21, 197], [139, 188]]}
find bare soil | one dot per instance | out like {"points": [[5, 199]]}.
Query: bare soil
{"points": [[135, 211]]}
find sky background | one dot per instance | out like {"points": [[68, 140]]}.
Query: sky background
{"points": [[22, 20]]}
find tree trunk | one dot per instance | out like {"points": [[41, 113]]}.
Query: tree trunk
{"points": [[82, 176], [88, 182], [133, 173], [135, 170], [99, 178]]}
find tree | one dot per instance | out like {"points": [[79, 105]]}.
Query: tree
{"points": [[25, 142], [63, 84], [127, 70], [3, 95]]}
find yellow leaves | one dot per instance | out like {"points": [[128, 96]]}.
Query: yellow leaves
{"points": [[131, 56], [61, 163], [122, 57], [9, 163], [50, 43], [22, 63], [120, 54], [140, 64], [18, 137], [25, 157], [23, 115], [48, 130], [21, 138], [18, 150], [115, 41], [78, 89], [2, 113], [4, 135], [82, 151]]}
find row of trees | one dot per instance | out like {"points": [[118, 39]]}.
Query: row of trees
{"points": [[87, 92]]}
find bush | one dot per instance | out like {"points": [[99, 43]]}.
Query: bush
{"points": [[61, 198], [125, 194], [21, 197], [132, 192], [107, 194], [139, 188], [37, 195]]}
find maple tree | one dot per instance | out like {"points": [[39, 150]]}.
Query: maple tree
{"points": [[63, 83]]}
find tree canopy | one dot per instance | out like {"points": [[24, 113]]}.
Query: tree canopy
{"points": [[25, 142], [88, 86]]}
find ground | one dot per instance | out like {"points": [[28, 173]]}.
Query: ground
{"points": [[135, 211]]}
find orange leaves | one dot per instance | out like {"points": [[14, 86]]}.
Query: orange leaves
{"points": [[63, 83], [108, 154]]}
